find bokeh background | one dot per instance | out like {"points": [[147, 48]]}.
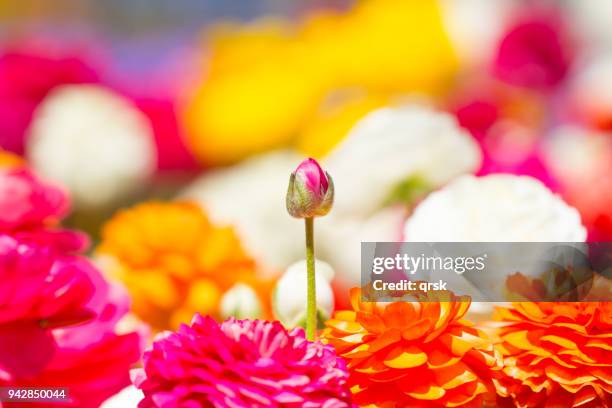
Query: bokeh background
{"points": [[172, 129], [215, 102]]}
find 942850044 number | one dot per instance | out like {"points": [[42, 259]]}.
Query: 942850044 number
{"points": [[33, 394]]}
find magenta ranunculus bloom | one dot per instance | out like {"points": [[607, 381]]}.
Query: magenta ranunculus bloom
{"points": [[534, 53], [41, 289], [58, 315], [31, 209], [25, 79], [241, 363], [26, 201]]}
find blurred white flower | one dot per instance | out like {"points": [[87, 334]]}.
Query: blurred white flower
{"points": [[126, 398], [391, 145], [340, 239], [241, 302], [290, 293], [251, 197], [592, 20], [591, 88], [476, 26], [494, 208], [577, 155], [93, 141], [580, 157], [385, 149]]}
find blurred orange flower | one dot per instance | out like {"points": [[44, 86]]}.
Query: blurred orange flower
{"points": [[413, 354], [556, 354], [10, 160], [173, 261]]}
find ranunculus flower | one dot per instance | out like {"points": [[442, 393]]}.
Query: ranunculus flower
{"points": [[26, 202], [58, 315], [173, 261], [25, 79], [413, 354], [494, 208], [534, 53], [92, 359], [289, 297], [556, 354], [390, 147], [41, 289], [112, 151], [310, 192], [242, 302], [413, 141], [263, 179], [31, 209], [241, 363]]}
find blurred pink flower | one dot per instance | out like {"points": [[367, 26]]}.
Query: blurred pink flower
{"points": [[172, 151], [41, 289], [534, 53], [241, 363], [478, 116], [31, 209], [25, 79], [514, 149], [93, 359], [26, 201], [58, 315], [509, 142]]}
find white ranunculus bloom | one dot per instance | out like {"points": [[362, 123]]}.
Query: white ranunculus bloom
{"points": [[290, 294], [93, 141], [251, 197], [494, 208], [389, 146], [129, 397], [241, 302]]}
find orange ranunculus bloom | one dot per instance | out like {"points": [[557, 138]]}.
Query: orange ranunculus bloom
{"points": [[556, 354], [413, 354], [174, 261]]}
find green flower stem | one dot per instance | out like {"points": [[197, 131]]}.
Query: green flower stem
{"points": [[311, 307]]}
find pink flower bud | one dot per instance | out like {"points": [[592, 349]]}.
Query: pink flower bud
{"points": [[311, 191]]}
